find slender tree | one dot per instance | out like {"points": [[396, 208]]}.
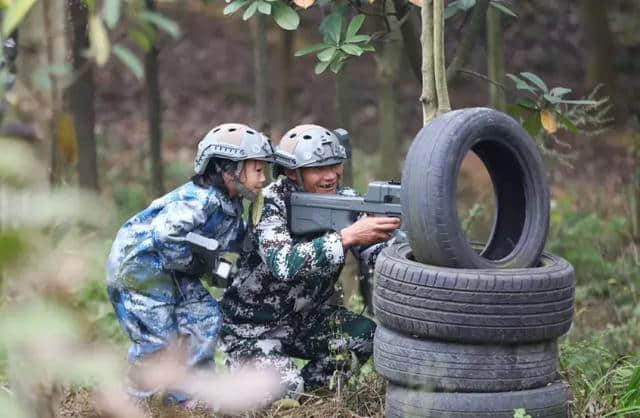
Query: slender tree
{"points": [[154, 104], [80, 95], [261, 72], [495, 59]]}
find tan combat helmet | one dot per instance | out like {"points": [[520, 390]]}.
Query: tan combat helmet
{"points": [[311, 146], [235, 142]]}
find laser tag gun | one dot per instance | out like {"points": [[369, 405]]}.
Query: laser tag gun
{"points": [[313, 213], [206, 249]]}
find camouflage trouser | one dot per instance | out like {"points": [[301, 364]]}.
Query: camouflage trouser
{"points": [[175, 309], [332, 338]]}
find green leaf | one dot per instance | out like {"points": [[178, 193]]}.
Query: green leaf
{"points": [[368, 48], [559, 91], [129, 59], [354, 27], [14, 14], [337, 65], [528, 103], [536, 80], [99, 40], [579, 102], [251, 10], [161, 22], [521, 84], [141, 39], [466, 4], [234, 7], [327, 54], [352, 49], [321, 66], [504, 9], [568, 124], [311, 49], [359, 38], [111, 11], [533, 125], [551, 99], [332, 27], [285, 16], [264, 7]]}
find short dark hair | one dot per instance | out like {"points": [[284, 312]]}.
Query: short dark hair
{"points": [[212, 176]]}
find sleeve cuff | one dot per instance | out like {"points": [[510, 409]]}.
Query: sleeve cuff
{"points": [[333, 248]]}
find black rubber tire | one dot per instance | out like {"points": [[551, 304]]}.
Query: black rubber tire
{"points": [[455, 367], [489, 306], [429, 182], [549, 401]]}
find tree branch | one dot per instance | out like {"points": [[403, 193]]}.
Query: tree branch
{"points": [[428, 97], [442, 92], [469, 37]]}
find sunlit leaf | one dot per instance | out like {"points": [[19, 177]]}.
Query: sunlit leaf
{"points": [[234, 6], [354, 27], [99, 40], [311, 49], [161, 22], [264, 7], [535, 80], [559, 91], [111, 11], [548, 121], [327, 54], [14, 14], [551, 99], [285, 16], [129, 59], [305, 4], [359, 38], [251, 10], [66, 137], [504, 9], [352, 49], [321, 66]]}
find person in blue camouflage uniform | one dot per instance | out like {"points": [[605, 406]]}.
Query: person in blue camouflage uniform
{"points": [[278, 303], [152, 274]]}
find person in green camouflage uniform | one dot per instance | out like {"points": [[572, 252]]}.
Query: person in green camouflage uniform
{"points": [[278, 304]]}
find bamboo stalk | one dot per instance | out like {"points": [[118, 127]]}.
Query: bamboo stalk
{"points": [[428, 97]]}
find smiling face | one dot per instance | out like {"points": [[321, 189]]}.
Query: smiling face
{"points": [[323, 180]]}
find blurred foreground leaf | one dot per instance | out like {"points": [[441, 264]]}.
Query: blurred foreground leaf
{"points": [[12, 246]]}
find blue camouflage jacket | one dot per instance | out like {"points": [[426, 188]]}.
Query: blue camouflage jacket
{"points": [[151, 243]]}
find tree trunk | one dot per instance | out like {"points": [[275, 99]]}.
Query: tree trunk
{"points": [[342, 106], [387, 74], [80, 95], [283, 94], [600, 48], [410, 30], [495, 59], [55, 52], [428, 98], [261, 73], [154, 103], [435, 94]]}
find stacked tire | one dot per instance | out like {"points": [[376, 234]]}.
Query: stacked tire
{"points": [[470, 330]]}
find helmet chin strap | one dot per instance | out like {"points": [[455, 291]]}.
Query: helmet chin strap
{"points": [[299, 178]]}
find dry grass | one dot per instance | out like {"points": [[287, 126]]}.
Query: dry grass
{"points": [[364, 400]]}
